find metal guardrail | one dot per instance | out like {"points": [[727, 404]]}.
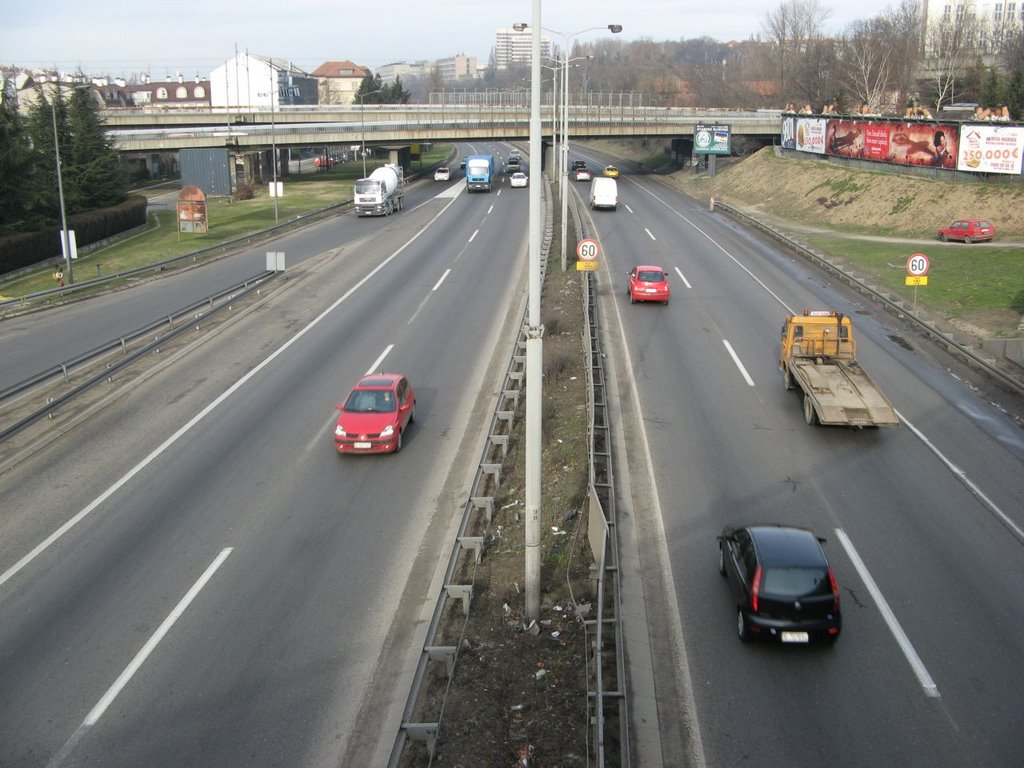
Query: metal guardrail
{"points": [[160, 266], [481, 501], [186, 318], [895, 306]]}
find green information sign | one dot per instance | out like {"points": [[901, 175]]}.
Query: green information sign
{"points": [[712, 140]]}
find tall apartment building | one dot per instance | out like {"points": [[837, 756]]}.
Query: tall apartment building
{"points": [[512, 47], [457, 67], [997, 22]]}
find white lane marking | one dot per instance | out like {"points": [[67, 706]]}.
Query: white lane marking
{"points": [[930, 689], [453, 191], [711, 240], [125, 677], [473, 236], [649, 234], [683, 277], [627, 208], [957, 472], [960, 475], [491, 207], [376, 363], [442, 279], [736, 360], [120, 482]]}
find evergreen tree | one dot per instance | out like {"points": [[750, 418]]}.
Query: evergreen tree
{"points": [[94, 169], [15, 162]]}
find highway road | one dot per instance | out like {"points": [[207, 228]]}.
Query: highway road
{"points": [[923, 521], [194, 576]]}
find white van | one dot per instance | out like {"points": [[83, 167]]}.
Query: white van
{"points": [[604, 193]]}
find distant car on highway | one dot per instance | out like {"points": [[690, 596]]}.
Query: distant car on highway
{"points": [[519, 179], [442, 174], [648, 283], [375, 415], [579, 164], [611, 171], [968, 231], [462, 163], [582, 174], [781, 584]]}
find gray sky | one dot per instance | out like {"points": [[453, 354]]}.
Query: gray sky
{"points": [[122, 38]]}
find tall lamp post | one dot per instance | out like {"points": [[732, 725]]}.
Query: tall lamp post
{"points": [[362, 122], [564, 160], [65, 245]]}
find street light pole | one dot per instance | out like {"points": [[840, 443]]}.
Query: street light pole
{"points": [[65, 244], [362, 123], [273, 148], [564, 160]]}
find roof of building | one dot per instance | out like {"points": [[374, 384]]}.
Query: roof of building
{"points": [[340, 69]]}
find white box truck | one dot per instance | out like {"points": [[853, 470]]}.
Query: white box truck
{"points": [[604, 193]]}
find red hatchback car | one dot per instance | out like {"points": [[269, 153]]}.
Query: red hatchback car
{"points": [[968, 231], [648, 283], [375, 415]]}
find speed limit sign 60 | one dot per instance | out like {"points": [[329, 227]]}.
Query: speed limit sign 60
{"points": [[587, 250], [917, 265]]}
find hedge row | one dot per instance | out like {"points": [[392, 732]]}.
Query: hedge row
{"points": [[26, 249]]}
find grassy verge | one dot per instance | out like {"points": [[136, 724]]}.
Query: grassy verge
{"points": [[229, 218]]}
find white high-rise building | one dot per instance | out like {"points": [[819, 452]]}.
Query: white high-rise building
{"points": [[514, 47]]}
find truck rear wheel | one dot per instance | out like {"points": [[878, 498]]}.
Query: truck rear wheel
{"points": [[809, 415]]}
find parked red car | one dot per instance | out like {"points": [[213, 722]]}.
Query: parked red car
{"points": [[374, 417], [325, 161], [648, 283], [968, 231]]}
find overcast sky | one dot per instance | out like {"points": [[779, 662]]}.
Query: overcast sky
{"points": [[122, 38]]}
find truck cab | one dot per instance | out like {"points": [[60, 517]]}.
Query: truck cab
{"points": [[817, 333]]}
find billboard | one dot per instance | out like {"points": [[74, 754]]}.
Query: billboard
{"points": [[806, 134], [991, 148], [712, 140], [908, 143]]}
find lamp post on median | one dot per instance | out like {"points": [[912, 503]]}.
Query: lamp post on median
{"points": [[564, 159], [65, 244], [362, 122]]}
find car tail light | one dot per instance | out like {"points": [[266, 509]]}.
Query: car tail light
{"points": [[755, 589], [835, 591]]}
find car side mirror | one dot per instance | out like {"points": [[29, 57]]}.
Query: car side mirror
{"points": [[339, 406]]}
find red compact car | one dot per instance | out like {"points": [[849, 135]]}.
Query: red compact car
{"points": [[375, 415], [648, 283], [968, 231]]}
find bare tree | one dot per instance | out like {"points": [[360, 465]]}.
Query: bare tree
{"points": [[951, 44], [790, 29], [867, 66], [902, 28]]}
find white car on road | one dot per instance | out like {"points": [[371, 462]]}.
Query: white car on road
{"points": [[519, 179], [442, 174]]}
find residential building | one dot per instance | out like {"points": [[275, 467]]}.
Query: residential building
{"points": [[169, 93], [252, 81], [457, 67], [338, 81], [402, 69], [513, 47], [994, 24]]}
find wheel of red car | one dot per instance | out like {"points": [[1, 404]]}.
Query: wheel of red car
{"points": [[412, 414], [943, 237], [398, 442], [632, 298], [967, 239]]}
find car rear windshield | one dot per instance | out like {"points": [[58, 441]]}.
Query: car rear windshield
{"points": [[795, 582], [651, 277]]}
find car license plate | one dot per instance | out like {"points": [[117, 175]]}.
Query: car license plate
{"points": [[795, 637], [361, 446]]}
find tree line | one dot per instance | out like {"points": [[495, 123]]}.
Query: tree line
{"points": [[884, 61], [91, 174]]}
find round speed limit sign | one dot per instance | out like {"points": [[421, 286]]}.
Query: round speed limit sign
{"points": [[587, 250], [917, 265]]}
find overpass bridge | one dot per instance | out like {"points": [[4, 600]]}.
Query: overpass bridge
{"points": [[151, 130]]}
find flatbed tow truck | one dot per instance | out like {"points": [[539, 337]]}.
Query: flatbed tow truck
{"points": [[818, 354]]}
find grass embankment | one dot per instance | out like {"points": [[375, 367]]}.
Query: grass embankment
{"points": [[228, 217]]}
